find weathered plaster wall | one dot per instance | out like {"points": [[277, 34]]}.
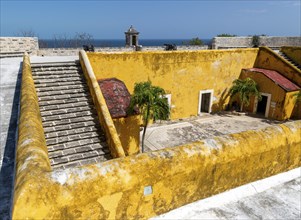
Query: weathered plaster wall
{"points": [[238, 42], [293, 53], [18, 45], [268, 59], [183, 74], [175, 176], [104, 116]]}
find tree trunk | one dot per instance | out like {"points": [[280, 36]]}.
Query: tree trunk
{"points": [[241, 107], [144, 129]]}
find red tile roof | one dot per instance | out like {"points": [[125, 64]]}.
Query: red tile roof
{"points": [[116, 95], [276, 77]]}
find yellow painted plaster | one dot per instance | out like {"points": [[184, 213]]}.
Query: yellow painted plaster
{"points": [[182, 73], [128, 129], [293, 53]]}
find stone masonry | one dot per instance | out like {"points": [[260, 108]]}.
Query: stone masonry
{"points": [[244, 42], [16, 46]]}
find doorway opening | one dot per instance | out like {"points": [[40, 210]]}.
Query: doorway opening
{"points": [[205, 101], [263, 106]]}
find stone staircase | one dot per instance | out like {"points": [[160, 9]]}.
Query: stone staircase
{"points": [[289, 60], [73, 134]]}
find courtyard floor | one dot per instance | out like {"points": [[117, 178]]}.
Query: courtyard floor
{"points": [[180, 132]]}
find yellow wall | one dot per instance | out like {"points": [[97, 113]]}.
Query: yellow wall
{"points": [[177, 176], [268, 59], [290, 104], [278, 95], [293, 53], [128, 130], [181, 73]]}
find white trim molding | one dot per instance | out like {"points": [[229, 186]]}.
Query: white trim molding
{"points": [[200, 100]]}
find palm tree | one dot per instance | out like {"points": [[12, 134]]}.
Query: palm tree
{"points": [[245, 88], [151, 103]]}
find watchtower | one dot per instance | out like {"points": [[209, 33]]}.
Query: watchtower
{"points": [[131, 37]]}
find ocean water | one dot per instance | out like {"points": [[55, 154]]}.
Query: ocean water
{"points": [[66, 43]]}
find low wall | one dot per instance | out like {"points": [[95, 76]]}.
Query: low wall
{"points": [[149, 184], [75, 51], [244, 42], [14, 45], [293, 53], [104, 116], [268, 59]]}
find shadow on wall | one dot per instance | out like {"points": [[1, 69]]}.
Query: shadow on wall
{"points": [[8, 164], [223, 102], [128, 129]]}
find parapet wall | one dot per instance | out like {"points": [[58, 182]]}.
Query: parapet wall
{"points": [[10, 45], [245, 42], [75, 51], [149, 184]]}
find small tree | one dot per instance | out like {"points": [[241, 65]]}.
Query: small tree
{"points": [[151, 103], [245, 88], [226, 35], [193, 42]]}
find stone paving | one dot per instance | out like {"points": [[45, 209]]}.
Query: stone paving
{"points": [[180, 132]]}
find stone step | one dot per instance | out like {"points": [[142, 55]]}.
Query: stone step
{"points": [[69, 126], [66, 106], [64, 139], [65, 96], [53, 71], [68, 116], [69, 121], [55, 76], [62, 112], [102, 147], [88, 159], [76, 143], [62, 92], [63, 101], [44, 85], [62, 133], [56, 65], [59, 80], [64, 87]]}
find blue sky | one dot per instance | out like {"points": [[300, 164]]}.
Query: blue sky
{"points": [[154, 19]]}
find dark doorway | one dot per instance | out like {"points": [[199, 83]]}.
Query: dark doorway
{"points": [[134, 41], [262, 105], [205, 104]]}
